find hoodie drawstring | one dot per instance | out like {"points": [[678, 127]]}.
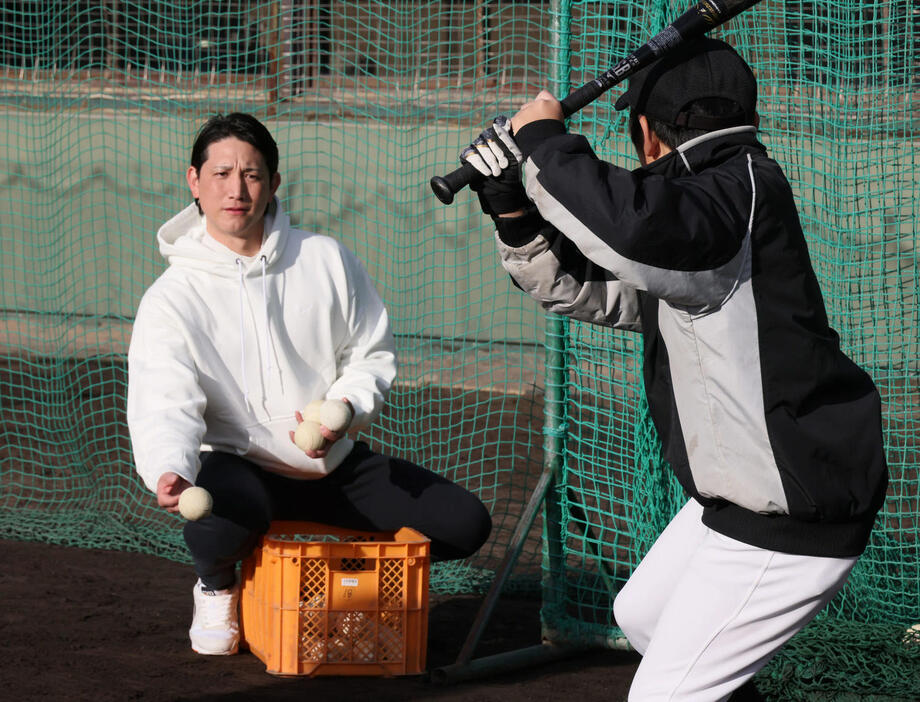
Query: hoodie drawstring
{"points": [[268, 334], [242, 293], [268, 331]]}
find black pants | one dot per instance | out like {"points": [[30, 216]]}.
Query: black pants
{"points": [[368, 491]]}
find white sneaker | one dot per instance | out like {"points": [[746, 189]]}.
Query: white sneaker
{"points": [[215, 627]]}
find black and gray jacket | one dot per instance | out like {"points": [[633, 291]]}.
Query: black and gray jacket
{"points": [[763, 418]]}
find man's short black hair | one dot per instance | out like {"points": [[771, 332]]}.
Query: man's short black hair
{"points": [[675, 136], [241, 126]]}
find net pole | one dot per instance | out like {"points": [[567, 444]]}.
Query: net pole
{"points": [[275, 55], [547, 492], [555, 425]]}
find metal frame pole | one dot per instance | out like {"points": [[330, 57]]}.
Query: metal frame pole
{"points": [[548, 489]]}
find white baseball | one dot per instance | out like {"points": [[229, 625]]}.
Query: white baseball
{"points": [[195, 503], [912, 635], [308, 437], [311, 412], [335, 415]]}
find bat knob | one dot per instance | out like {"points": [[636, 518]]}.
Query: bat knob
{"points": [[442, 190]]}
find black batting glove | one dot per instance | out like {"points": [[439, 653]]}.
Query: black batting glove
{"points": [[497, 158]]}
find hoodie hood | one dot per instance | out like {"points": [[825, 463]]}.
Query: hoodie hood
{"points": [[184, 242]]}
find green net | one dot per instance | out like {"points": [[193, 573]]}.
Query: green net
{"points": [[99, 103]]}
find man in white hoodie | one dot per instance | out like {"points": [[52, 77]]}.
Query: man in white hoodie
{"points": [[251, 321]]}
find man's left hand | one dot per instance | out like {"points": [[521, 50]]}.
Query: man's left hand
{"points": [[330, 436]]}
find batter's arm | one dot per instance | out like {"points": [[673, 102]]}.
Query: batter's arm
{"points": [[549, 268]]}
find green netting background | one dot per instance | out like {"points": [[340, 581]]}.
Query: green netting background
{"points": [[99, 103]]}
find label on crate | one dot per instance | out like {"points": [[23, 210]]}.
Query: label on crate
{"points": [[349, 582]]}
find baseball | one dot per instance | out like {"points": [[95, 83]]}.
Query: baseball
{"points": [[308, 437], [912, 635], [335, 415], [311, 412], [195, 503]]}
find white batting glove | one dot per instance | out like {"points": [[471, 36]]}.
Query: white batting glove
{"points": [[487, 155], [497, 158]]}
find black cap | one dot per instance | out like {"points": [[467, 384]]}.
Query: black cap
{"points": [[704, 68]]}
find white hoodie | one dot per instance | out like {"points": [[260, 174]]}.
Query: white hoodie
{"points": [[225, 349]]}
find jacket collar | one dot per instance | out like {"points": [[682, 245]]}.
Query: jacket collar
{"points": [[705, 151]]}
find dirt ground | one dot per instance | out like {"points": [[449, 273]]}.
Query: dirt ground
{"points": [[87, 624]]}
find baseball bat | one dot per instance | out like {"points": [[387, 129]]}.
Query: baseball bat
{"points": [[693, 23]]}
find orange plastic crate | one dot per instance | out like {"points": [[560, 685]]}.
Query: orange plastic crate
{"points": [[317, 600]]}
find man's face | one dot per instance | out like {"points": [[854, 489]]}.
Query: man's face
{"points": [[233, 188]]}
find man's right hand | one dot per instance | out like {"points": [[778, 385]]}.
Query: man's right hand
{"points": [[497, 158], [169, 487], [544, 106]]}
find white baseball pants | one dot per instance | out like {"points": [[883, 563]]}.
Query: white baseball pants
{"points": [[707, 612]]}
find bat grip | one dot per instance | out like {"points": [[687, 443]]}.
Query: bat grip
{"points": [[445, 186]]}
